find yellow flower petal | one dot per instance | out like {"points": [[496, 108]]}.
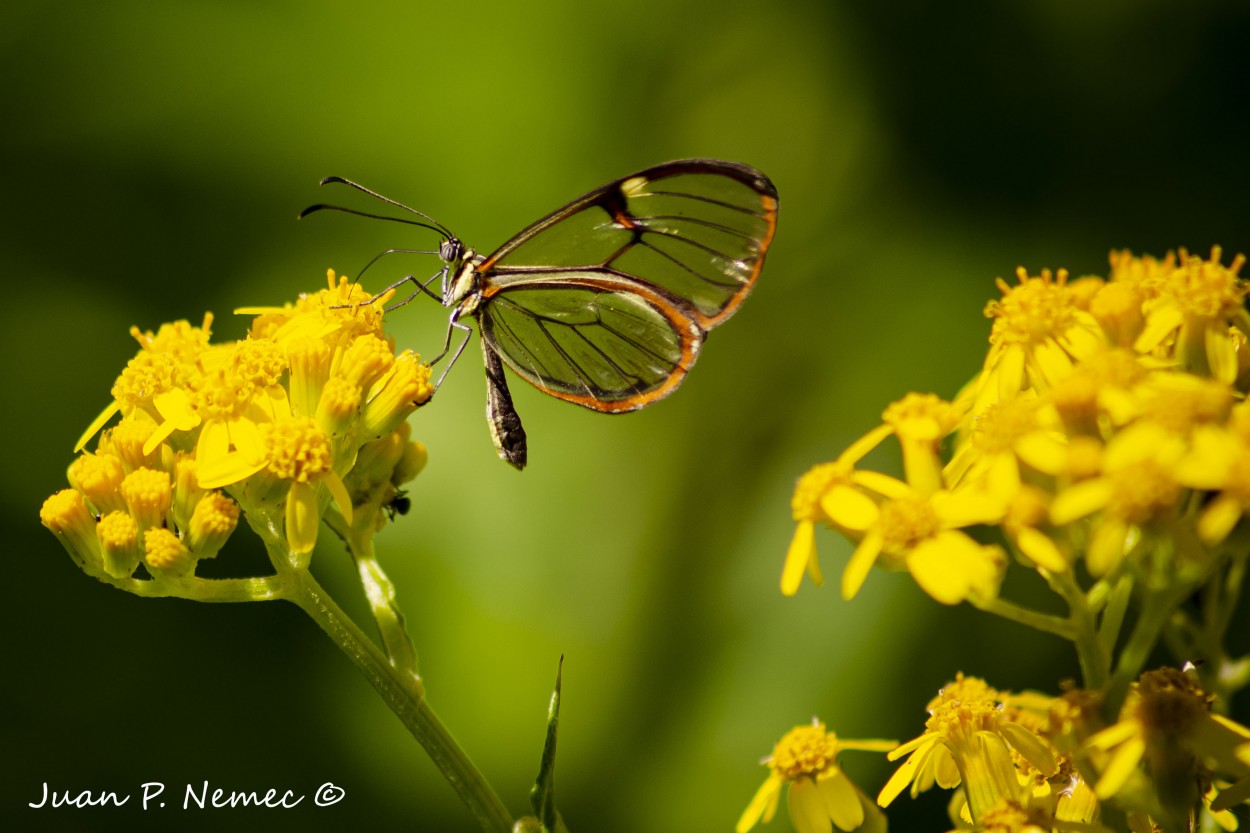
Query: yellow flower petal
{"points": [[967, 507], [945, 771], [1232, 796], [869, 745], [1041, 550], [951, 566], [1113, 735], [1085, 498], [226, 470], [802, 550], [303, 519], [1043, 451], [96, 425], [1163, 320], [1053, 362], [882, 484], [807, 808], [1123, 764], [859, 565], [903, 775], [1035, 750], [1107, 547], [850, 508], [763, 805], [1010, 371], [858, 449], [174, 405], [1218, 519], [841, 801], [1221, 355], [338, 492]]}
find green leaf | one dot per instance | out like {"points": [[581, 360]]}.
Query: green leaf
{"points": [[543, 795]]}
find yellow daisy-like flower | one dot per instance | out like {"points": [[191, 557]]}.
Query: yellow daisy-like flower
{"points": [[1196, 303], [921, 421], [298, 454], [1165, 743], [1003, 436], [1139, 485], [833, 493], [1219, 462], [1039, 332], [889, 516], [921, 533], [969, 741], [821, 797]]}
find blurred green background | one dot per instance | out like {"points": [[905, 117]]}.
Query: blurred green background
{"points": [[155, 157]]}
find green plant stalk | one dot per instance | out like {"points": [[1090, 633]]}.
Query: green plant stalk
{"points": [[381, 595], [1156, 609], [1093, 659], [401, 689], [404, 695], [1030, 618]]}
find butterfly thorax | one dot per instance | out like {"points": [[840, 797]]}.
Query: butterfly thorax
{"points": [[464, 289]]}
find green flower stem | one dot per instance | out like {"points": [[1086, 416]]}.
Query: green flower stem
{"points": [[1030, 618], [1156, 609], [404, 694], [1113, 614], [401, 689], [264, 589], [1222, 675], [1095, 664], [381, 595]]}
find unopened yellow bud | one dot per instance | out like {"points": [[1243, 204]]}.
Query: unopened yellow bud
{"points": [[99, 478], [68, 517], [148, 496], [119, 544], [212, 523], [165, 554]]}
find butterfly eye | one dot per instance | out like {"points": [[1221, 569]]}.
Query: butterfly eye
{"points": [[450, 249]]}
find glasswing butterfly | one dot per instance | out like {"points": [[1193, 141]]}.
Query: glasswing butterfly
{"points": [[604, 302]]}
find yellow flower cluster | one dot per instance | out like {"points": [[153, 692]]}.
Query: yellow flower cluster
{"points": [[1028, 763], [309, 408], [1106, 443], [1109, 417]]}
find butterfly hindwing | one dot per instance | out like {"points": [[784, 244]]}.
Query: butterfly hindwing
{"points": [[608, 344]]}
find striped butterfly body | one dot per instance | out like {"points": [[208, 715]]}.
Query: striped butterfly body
{"points": [[605, 302]]}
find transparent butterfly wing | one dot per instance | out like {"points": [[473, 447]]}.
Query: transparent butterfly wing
{"points": [[605, 302], [695, 229], [605, 343]]}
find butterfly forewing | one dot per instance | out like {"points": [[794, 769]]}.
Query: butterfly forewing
{"points": [[696, 230], [605, 343]]}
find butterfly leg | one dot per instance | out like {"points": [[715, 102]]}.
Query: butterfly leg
{"points": [[452, 322], [421, 287], [381, 255]]}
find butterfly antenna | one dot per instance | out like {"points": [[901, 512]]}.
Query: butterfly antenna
{"points": [[327, 207], [360, 274], [439, 227]]}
